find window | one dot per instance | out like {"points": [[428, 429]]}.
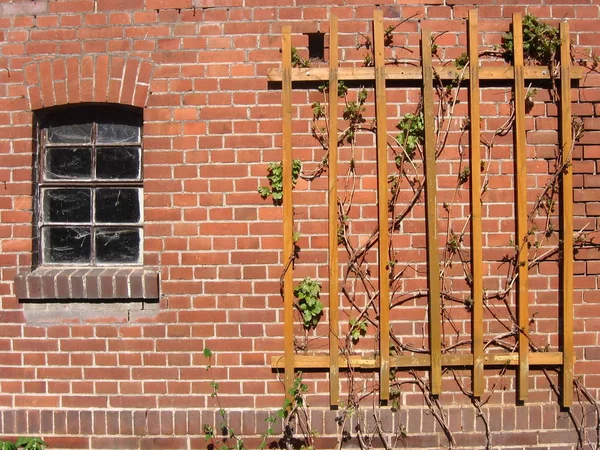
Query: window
{"points": [[89, 211], [316, 46], [89, 202]]}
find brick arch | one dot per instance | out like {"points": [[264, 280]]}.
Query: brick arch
{"points": [[90, 78]]}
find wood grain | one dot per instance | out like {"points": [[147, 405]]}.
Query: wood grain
{"points": [[566, 217], [497, 73], [433, 270], [475, 193], [288, 219], [334, 383], [382, 206], [521, 187]]}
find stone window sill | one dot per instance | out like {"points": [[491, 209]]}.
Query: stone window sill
{"points": [[92, 283]]}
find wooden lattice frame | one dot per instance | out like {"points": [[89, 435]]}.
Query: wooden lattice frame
{"points": [[435, 360]]}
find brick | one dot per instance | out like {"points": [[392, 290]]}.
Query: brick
{"points": [[106, 348], [118, 5], [67, 441], [115, 442], [23, 8]]}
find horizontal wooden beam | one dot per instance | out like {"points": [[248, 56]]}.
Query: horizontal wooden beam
{"points": [[419, 360], [505, 72]]}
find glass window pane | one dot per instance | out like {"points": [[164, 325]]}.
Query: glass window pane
{"points": [[66, 205], [118, 163], [67, 245], [117, 205], [117, 245], [65, 163], [77, 133], [117, 133]]}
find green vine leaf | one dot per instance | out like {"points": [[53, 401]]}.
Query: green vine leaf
{"points": [[318, 110], [5, 445], [461, 61], [464, 175], [342, 88], [298, 60], [275, 178], [308, 294], [412, 133], [30, 443], [358, 329], [540, 41]]}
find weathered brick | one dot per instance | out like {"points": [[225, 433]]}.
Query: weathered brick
{"points": [[99, 365]]}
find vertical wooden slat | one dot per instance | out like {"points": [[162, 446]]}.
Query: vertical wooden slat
{"points": [[288, 225], [476, 231], [433, 274], [333, 217], [566, 217], [382, 205], [521, 187]]}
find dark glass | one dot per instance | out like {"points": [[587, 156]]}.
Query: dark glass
{"points": [[117, 133], [67, 245], [66, 205], [117, 205], [68, 163], [114, 163], [77, 133], [117, 245]]}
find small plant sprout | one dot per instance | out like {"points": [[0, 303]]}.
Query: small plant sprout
{"points": [[540, 41], [358, 329], [28, 443], [412, 133], [309, 304], [275, 178], [298, 60]]}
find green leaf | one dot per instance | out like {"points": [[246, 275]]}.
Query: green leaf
{"points": [[461, 61], [207, 353], [5, 445], [309, 304], [297, 60], [275, 178], [264, 191], [31, 443], [362, 95]]}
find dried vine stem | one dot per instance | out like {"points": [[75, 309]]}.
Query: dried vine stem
{"points": [[478, 411], [435, 407], [359, 289], [582, 391]]}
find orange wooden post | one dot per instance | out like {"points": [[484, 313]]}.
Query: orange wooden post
{"points": [[334, 368], [382, 208], [433, 269], [566, 216], [476, 231], [521, 187], [288, 220]]}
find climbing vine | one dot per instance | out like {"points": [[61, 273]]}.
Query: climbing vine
{"points": [[406, 185], [275, 178], [307, 293]]}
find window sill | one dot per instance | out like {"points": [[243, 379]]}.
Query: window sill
{"points": [[93, 283]]}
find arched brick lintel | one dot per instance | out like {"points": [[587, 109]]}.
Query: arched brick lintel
{"points": [[89, 78]]}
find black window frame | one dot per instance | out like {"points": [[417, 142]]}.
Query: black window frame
{"points": [[86, 114]]}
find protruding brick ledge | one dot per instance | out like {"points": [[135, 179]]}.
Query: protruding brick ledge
{"points": [[87, 284]]}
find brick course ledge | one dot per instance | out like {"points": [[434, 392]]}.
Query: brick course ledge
{"points": [[93, 283]]}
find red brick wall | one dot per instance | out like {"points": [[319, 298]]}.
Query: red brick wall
{"points": [[132, 374]]}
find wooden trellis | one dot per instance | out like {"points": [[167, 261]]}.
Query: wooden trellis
{"points": [[478, 359]]}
